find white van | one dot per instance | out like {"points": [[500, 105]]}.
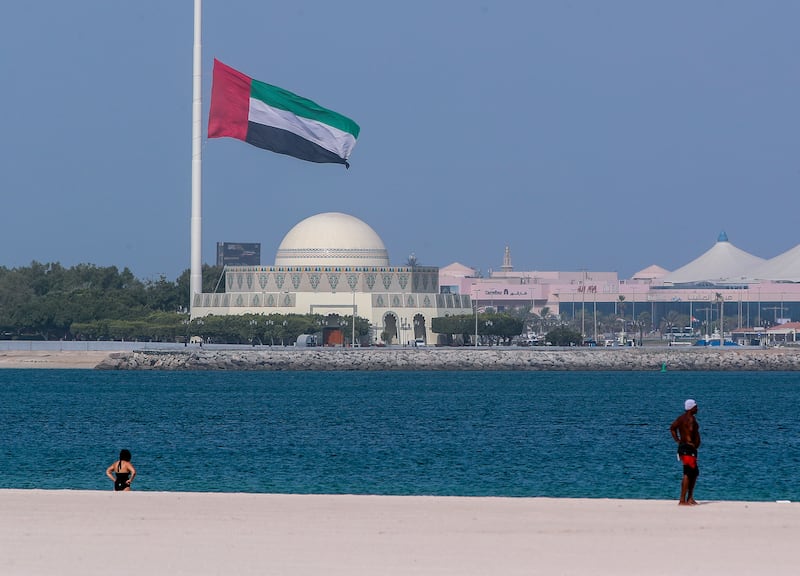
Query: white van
{"points": [[419, 343]]}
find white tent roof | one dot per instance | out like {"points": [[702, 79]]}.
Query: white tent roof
{"points": [[721, 262], [651, 272], [783, 268]]}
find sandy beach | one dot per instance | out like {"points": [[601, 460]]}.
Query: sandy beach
{"points": [[52, 359], [93, 532]]}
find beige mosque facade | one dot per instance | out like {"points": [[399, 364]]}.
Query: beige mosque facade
{"points": [[334, 264]]}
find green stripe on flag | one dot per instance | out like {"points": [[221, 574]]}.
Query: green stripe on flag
{"points": [[302, 107]]}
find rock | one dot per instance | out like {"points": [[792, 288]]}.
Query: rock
{"points": [[635, 359]]}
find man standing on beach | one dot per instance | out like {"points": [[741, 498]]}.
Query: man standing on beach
{"points": [[686, 432]]}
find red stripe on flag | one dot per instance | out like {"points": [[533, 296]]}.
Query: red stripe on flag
{"points": [[230, 103]]}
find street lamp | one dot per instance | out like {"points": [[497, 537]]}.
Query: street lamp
{"points": [[476, 323], [719, 300], [404, 326], [353, 337], [200, 330], [708, 322], [342, 325], [269, 324], [253, 323], [583, 310], [281, 328]]}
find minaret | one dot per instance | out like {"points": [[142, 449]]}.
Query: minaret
{"points": [[507, 267]]}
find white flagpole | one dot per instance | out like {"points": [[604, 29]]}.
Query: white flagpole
{"points": [[196, 269]]}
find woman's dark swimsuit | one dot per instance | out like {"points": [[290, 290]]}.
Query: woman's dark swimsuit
{"points": [[121, 482]]}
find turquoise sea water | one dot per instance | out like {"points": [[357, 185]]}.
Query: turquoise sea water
{"points": [[565, 434]]}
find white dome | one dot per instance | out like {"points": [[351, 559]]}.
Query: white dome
{"points": [[332, 239]]}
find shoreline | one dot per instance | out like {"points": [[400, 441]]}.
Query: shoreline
{"points": [[394, 359], [56, 359], [85, 532], [460, 359]]}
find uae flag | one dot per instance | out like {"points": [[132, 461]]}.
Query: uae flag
{"points": [[275, 119]]}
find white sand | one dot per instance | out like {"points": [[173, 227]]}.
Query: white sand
{"points": [[84, 532], [51, 359]]}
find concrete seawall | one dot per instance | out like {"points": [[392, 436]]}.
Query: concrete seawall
{"points": [[636, 359]]}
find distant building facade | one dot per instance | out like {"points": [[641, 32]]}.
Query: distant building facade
{"points": [[724, 281]]}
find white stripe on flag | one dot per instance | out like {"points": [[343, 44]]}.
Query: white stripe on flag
{"points": [[330, 138]]}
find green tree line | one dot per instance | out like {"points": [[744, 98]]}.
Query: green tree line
{"points": [[51, 302], [494, 329], [88, 302]]}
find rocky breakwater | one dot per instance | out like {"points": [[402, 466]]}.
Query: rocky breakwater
{"points": [[542, 359]]}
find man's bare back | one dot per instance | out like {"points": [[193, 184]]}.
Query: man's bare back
{"points": [[686, 430]]}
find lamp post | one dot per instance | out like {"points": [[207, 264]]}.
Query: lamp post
{"points": [[544, 323], [404, 326], [781, 304], [572, 300], [475, 302], [476, 324], [253, 323], [583, 308], [720, 300], [759, 306], [707, 323], [269, 324], [353, 337]]}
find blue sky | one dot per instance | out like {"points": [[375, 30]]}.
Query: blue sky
{"points": [[585, 135]]}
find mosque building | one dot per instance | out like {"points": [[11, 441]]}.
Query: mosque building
{"points": [[334, 264]]}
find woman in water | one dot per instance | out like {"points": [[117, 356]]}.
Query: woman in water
{"points": [[122, 472]]}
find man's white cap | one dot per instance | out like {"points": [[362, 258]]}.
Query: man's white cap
{"points": [[689, 404]]}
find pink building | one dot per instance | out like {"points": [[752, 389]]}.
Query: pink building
{"points": [[724, 281]]}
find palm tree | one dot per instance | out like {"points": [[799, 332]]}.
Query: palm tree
{"points": [[669, 321], [621, 304], [544, 316], [643, 320]]}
